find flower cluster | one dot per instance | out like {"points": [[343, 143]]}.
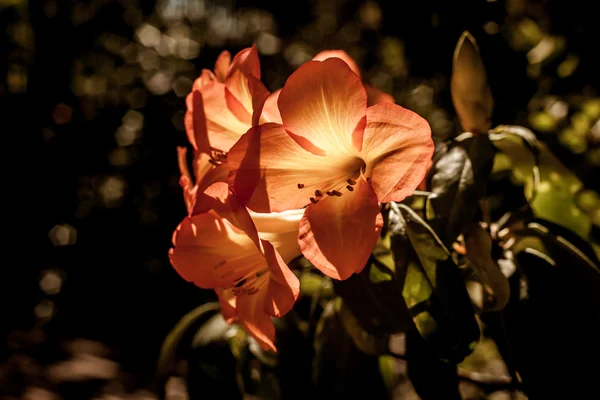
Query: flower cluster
{"points": [[300, 171]]}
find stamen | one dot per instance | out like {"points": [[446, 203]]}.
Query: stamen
{"points": [[214, 162], [351, 181], [300, 185], [369, 180], [219, 264], [313, 200], [336, 193], [318, 193], [240, 283], [330, 193], [350, 188]]}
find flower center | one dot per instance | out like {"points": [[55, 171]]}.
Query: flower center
{"points": [[354, 167], [250, 283]]}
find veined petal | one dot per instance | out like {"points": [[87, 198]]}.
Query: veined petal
{"points": [[222, 65], [271, 172], [212, 253], [251, 314], [376, 96], [238, 96], [338, 234], [324, 102], [260, 94], [270, 111], [342, 55], [195, 123], [246, 61], [283, 286], [397, 150], [224, 128]]}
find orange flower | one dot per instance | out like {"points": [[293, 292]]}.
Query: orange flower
{"points": [[225, 103], [243, 258], [334, 156]]}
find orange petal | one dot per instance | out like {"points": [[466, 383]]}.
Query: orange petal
{"points": [[224, 128], [246, 61], [342, 55], [222, 65], [185, 181], [324, 102], [227, 301], [212, 253], [238, 96], [338, 234], [271, 172], [283, 285], [397, 149], [251, 314], [195, 122], [270, 111], [260, 94], [376, 96]]}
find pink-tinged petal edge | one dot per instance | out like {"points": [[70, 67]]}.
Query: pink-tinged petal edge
{"points": [[342, 55], [397, 150]]}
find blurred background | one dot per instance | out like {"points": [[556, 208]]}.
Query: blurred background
{"points": [[94, 93]]}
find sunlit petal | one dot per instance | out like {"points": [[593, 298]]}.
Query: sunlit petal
{"points": [[270, 112], [338, 234], [271, 172], [342, 55], [283, 286], [222, 65], [252, 316], [227, 300], [212, 253], [324, 102], [397, 149], [376, 96], [195, 123], [246, 61]]}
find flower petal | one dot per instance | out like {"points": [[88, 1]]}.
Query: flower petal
{"points": [[376, 96], [246, 61], [397, 149], [195, 123], [251, 314], [227, 301], [338, 234], [323, 102], [212, 253], [271, 172], [270, 111], [224, 128], [342, 55], [222, 65], [283, 286]]}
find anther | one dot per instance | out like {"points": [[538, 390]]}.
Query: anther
{"points": [[350, 188], [300, 185], [369, 180], [336, 193], [330, 193], [240, 283], [318, 193], [351, 181], [313, 200], [213, 162]]}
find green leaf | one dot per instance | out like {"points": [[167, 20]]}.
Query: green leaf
{"points": [[386, 368], [435, 292], [367, 343], [496, 290], [373, 295], [183, 328], [458, 182], [340, 369], [471, 94], [549, 187]]}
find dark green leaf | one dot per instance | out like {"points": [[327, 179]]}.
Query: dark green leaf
{"points": [[340, 370], [184, 328], [374, 295], [471, 94], [550, 188], [435, 292], [367, 343], [494, 285], [458, 180]]}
